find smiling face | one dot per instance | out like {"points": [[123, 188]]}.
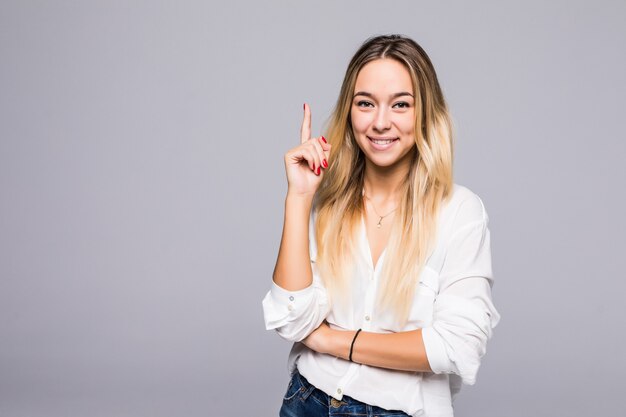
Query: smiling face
{"points": [[383, 112]]}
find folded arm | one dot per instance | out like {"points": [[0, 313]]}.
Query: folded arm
{"points": [[454, 343], [401, 351]]}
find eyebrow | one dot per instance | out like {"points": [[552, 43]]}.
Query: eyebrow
{"points": [[366, 94]]}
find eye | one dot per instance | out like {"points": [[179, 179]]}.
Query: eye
{"points": [[364, 103], [402, 105]]}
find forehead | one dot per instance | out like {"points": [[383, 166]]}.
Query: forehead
{"points": [[384, 75]]}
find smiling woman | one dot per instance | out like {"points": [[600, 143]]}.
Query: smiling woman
{"points": [[383, 277], [383, 113]]}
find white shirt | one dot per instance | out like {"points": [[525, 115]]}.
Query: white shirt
{"points": [[452, 305]]}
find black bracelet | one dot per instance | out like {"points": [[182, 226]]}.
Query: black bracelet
{"points": [[352, 344]]}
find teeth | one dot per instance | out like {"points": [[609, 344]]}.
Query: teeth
{"points": [[382, 142]]}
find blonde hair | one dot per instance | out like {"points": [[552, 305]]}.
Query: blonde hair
{"points": [[339, 199]]}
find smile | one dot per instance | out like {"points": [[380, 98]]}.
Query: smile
{"points": [[382, 143]]}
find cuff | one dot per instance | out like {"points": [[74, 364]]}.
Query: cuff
{"points": [[290, 300], [436, 351]]}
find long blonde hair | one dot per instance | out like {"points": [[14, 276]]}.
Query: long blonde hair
{"points": [[339, 199]]}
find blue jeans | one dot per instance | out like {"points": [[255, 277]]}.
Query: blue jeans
{"points": [[304, 400]]}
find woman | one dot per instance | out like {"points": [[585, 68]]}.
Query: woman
{"points": [[383, 277]]}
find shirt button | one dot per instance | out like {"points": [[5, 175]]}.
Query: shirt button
{"points": [[291, 298], [367, 318], [290, 307], [339, 391]]}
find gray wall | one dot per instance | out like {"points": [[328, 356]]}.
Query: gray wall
{"points": [[142, 187]]}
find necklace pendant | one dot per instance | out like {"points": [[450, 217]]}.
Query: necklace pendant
{"points": [[378, 225]]}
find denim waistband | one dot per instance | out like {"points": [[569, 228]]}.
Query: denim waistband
{"points": [[346, 406]]}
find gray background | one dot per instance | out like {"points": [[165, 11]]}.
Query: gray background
{"points": [[142, 188]]}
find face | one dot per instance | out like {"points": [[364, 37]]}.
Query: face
{"points": [[383, 112]]}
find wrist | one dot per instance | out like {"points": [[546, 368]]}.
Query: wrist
{"points": [[300, 197], [339, 343], [298, 206]]}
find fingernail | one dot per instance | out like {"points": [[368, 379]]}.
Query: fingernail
{"points": [[318, 171], [325, 164], [304, 106], [324, 139]]}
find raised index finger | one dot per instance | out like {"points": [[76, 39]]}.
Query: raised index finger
{"points": [[305, 131]]}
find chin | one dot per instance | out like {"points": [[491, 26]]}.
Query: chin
{"points": [[384, 162]]}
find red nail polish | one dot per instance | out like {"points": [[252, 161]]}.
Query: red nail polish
{"points": [[304, 106], [324, 139], [325, 164], [318, 171]]}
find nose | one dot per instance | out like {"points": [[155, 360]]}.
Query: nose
{"points": [[382, 121]]}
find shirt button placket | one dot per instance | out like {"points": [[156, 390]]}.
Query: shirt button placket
{"points": [[369, 299]]}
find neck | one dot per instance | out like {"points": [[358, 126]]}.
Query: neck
{"points": [[382, 184]]}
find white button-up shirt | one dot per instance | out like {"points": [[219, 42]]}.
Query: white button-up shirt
{"points": [[452, 305]]}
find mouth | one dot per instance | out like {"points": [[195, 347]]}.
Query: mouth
{"points": [[382, 144]]}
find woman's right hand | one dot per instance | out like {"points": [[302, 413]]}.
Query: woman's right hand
{"points": [[305, 164]]}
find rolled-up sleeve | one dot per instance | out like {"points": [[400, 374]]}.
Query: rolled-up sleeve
{"points": [[464, 315], [295, 314]]}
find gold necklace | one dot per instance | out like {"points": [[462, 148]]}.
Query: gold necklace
{"points": [[376, 211]]}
